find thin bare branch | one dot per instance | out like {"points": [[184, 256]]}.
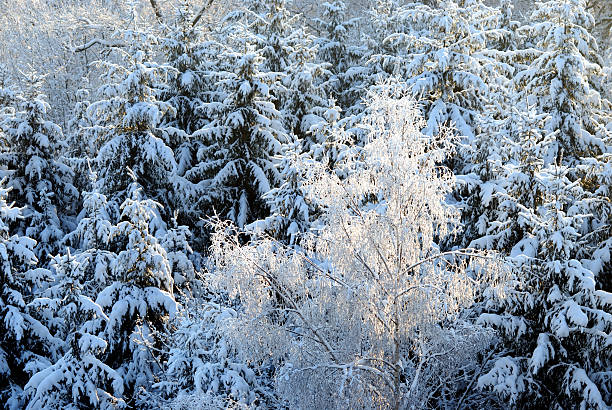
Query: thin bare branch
{"points": [[198, 16]]}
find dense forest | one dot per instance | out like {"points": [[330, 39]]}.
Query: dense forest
{"points": [[281, 204]]}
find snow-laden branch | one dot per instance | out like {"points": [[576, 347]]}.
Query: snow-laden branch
{"points": [[102, 42]]}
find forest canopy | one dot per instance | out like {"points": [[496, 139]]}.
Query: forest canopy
{"points": [[282, 204]]}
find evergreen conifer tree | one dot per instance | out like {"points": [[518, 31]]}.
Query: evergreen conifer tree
{"points": [[341, 55], [127, 123], [78, 378], [139, 299], [92, 244], [40, 181], [236, 167], [556, 318], [562, 80], [24, 341], [202, 361]]}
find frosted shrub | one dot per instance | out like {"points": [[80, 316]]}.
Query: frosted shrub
{"points": [[369, 314]]}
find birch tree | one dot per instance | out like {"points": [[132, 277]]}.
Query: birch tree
{"points": [[369, 315]]}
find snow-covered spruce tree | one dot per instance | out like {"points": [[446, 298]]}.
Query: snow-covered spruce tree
{"points": [[86, 272], [377, 59], [24, 341], [236, 167], [335, 48], [369, 315], [202, 362], [139, 300], [176, 243], [557, 319], [510, 38], [503, 127], [40, 182], [68, 311], [299, 94], [79, 142], [275, 33], [331, 139], [441, 54], [185, 50], [291, 214], [479, 188], [127, 118], [597, 244], [194, 57], [289, 57], [304, 101], [82, 144], [384, 20], [78, 378], [501, 124], [508, 180], [7, 93], [565, 81], [562, 80], [92, 244]]}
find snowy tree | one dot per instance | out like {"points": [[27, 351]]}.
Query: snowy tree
{"points": [[288, 63], [601, 11], [201, 360], [356, 319], [507, 182], [40, 181], [7, 94], [193, 56], [536, 207], [289, 57], [291, 214], [441, 54], [559, 311], [556, 317], [24, 341], [139, 299], [236, 167], [336, 49], [127, 118], [597, 245], [565, 81], [78, 378], [92, 243], [384, 21], [331, 141], [511, 37], [275, 33], [79, 142], [176, 244], [562, 80], [187, 53], [304, 101], [81, 145]]}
